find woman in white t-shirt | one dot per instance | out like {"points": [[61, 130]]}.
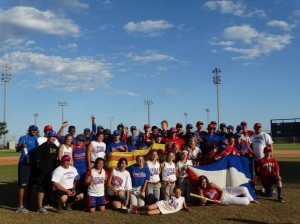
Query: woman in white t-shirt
{"points": [[119, 185], [182, 176], [195, 152], [95, 149], [95, 180], [66, 148], [174, 204], [153, 186], [168, 171]]}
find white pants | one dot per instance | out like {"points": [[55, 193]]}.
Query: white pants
{"points": [[231, 194], [135, 197]]}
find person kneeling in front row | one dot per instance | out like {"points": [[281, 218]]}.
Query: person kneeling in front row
{"points": [[65, 179]]}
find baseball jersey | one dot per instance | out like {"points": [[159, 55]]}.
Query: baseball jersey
{"points": [[139, 175], [171, 206], [97, 188], [267, 169], [154, 171], [116, 147], [169, 172], [211, 193], [181, 165], [79, 159], [65, 177], [66, 150], [98, 150], [28, 154]]}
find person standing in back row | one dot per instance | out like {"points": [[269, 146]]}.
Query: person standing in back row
{"points": [[27, 145]]}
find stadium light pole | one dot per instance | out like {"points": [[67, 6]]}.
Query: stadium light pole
{"points": [[217, 82], [207, 115], [35, 115], [148, 103], [186, 118], [110, 123], [62, 104], [6, 77]]}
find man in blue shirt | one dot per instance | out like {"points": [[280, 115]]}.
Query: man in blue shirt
{"points": [[27, 174]]}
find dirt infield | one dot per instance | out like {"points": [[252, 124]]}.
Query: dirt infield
{"points": [[278, 153]]}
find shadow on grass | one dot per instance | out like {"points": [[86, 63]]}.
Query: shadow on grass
{"points": [[290, 172], [245, 221], [8, 195]]}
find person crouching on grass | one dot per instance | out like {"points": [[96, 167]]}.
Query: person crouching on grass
{"points": [[268, 172], [175, 203], [65, 179]]}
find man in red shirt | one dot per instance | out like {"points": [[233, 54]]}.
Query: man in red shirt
{"points": [[268, 172]]}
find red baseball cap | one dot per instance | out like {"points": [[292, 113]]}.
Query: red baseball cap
{"points": [[172, 130], [211, 126], [268, 149], [243, 123], [48, 128], [146, 126], [178, 125], [199, 123], [257, 125]]}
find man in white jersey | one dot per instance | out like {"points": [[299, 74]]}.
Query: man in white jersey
{"points": [[64, 179]]}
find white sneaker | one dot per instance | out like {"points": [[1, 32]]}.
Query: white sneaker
{"points": [[21, 210], [124, 207]]}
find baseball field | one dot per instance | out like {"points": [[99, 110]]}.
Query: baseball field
{"points": [[268, 211]]}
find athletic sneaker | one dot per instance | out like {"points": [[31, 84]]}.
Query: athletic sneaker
{"points": [[124, 207], [59, 209], [130, 211], [280, 199], [133, 207], [69, 206], [21, 210], [42, 210]]}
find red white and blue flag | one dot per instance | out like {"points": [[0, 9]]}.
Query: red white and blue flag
{"points": [[230, 171]]}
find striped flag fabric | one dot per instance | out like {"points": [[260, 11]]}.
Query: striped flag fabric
{"points": [[230, 171], [130, 156]]}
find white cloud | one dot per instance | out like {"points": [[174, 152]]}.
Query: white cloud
{"points": [[124, 93], [150, 57], [245, 33], [234, 8], [154, 28], [249, 43], [106, 26], [237, 9], [281, 24], [221, 43], [71, 46], [172, 91], [73, 4], [18, 22], [64, 74]]}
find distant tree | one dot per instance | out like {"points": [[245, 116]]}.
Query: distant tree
{"points": [[3, 130]]}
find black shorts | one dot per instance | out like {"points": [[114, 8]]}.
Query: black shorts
{"points": [[24, 175], [45, 183], [59, 193]]}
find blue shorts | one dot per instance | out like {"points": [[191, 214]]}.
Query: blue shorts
{"points": [[94, 201]]}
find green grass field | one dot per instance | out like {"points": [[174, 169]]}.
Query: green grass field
{"points": [[268, 211]]}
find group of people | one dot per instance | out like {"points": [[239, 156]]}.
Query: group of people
{"points": [[73, 167]]}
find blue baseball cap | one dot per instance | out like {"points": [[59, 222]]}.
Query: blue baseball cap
{"points": [[32, 128], [141, 134], [223, 125], [87, 129], [189, 126], [100, 127], [158, 135], [80, 137], [116, 133], [230, 127], [133, 128], [51, 134], [239, 127]]}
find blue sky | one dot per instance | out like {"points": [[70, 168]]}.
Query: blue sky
{"points": [[106, 57]]}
